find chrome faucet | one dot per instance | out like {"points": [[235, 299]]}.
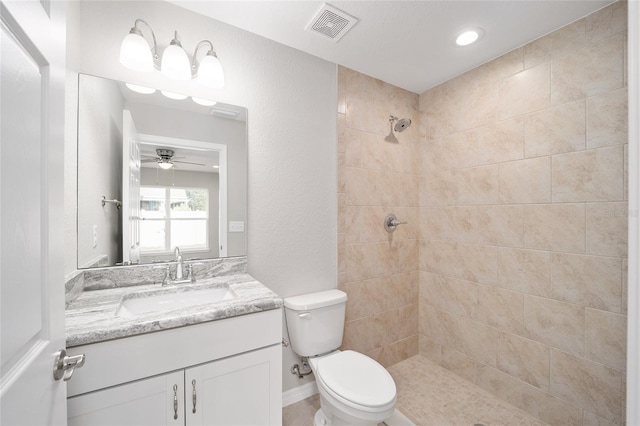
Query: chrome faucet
{"points": [[179, 274]]}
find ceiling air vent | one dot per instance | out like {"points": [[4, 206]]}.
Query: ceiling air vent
{"points": [[331, 23]]}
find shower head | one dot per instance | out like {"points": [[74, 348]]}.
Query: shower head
{"points": [[401, 124]]}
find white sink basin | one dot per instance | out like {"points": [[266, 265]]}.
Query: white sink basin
{"points": [[134, 306]]}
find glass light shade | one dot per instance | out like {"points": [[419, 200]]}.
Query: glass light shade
{"points": [[467, 37], [210, 73], [166, 165], [135, 53], [203, 102], [175, 63], [173, 95], [140, 89]]}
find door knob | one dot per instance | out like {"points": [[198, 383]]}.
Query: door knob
{"points": [[64, 366]]}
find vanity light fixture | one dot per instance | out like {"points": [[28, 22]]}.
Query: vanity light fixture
{"points": [[468, 37], [140, 89], [175, 62], [173, 95], [203, 102], [135, 52], [138, 55]]}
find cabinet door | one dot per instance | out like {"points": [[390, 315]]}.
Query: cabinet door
{"points": [[244, 389], [155, 401]]}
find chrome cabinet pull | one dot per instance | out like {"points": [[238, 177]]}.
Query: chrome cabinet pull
{"points": [[193, 383], [175, 402], [64, 366]]}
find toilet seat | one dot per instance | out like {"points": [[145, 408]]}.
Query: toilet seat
{"points": [[356, 380]]}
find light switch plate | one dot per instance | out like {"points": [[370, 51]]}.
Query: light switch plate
{"points": [[236, 226]]}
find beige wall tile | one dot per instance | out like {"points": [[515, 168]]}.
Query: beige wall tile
{"points": [[342, 212], [473, 108], [399, 351], [352, 223], [429, 349], [607, 22], [606, 340], [501, 308], [429, 152], [498, 383], [502, 141], [525, 359], [342, 175], [586, 71], [458, 151], [591, 419], [359, 335], [508, 64], [365, 298], [625, 284], [524, 92], [459, 364], [547, 407], [592, 386], [558, 227], [373, 260], [587, 280], [592, 175], [607, 118], [408, 321], [607, 229], [478, 341], [555, 323], [342, 129], [401, 289], [353, 147], [478, 185], [453, 296], [387, 326], [555, 130], [626, 172], [558, 43], [342, 255], [526, 181], [527, 271], [378, 154], [451, 223], [501, 225], [438, 189], [465, 261], [439, 327]]}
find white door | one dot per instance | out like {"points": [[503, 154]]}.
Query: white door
{"points": [[150, 402], [130, 190], [32, 54]]}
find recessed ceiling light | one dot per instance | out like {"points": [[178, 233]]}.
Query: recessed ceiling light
{"points": [[468, 37]]}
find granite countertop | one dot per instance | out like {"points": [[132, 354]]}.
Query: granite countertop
{"points": [[91, 317]]}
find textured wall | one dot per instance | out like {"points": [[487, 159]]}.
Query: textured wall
{"points": [[524, 223], [376, 177]]}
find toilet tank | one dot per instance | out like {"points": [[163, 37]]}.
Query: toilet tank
{"points": [[315, 321]]}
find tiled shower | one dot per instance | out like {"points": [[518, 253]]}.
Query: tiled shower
{"points": [[512, 269]]}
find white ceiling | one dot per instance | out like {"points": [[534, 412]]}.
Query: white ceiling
{"points": [[410, 44]]}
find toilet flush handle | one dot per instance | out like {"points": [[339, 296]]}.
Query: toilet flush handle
{"points": [[306, 315]]}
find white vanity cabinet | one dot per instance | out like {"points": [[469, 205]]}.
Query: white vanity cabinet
{"points": [[230, 368]]}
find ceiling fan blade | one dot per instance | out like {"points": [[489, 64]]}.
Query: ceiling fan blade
{"points": [[187, 162], [149, 160]]}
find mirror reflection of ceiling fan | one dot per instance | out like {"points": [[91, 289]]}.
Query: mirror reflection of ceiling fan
{"points": [[166, 160]]}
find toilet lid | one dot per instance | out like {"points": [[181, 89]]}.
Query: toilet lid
{"points": [[357, 378]]}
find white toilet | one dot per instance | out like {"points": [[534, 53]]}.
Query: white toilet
{"points": [[354, 389]]}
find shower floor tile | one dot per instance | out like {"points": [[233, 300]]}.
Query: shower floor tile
{"points": [[430, 395]]}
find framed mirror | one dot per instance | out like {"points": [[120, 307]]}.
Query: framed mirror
{"points": [[158, 171]]}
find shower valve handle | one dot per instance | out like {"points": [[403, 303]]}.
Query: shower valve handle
{"points": [[391, 222]]}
